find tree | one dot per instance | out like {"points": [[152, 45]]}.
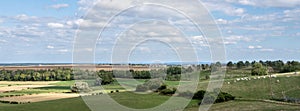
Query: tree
{"points": [[259, 69], [80, 87], [240, 64], [247, 64], [230, 65]]}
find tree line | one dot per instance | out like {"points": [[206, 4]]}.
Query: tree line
{"points": [[272, 66], [172, 73]]}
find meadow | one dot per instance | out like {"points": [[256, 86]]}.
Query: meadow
{"points": [[250, 94]]}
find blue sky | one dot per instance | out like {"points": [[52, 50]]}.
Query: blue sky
{"points": [[43, 30]]}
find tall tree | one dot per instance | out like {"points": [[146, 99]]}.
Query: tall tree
{"points": [[259, 69]]}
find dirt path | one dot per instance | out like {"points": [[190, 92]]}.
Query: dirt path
{"points": [[39, 97], [27, 82], [20, 87]]}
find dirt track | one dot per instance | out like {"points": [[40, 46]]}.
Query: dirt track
{"points": [[20, 87], [39, 97]]}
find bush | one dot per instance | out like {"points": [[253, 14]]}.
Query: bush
{"points": [[117, 90], [186, 94], [4, 101], [199, 95], [162, 87], [141, 88], [80, 87], [211, 97], [14, 102], [168, 92], [154, 84]]}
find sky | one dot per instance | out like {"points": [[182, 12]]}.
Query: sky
{"points": [[47, 31]]}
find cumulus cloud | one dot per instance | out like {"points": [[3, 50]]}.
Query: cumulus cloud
{"points": [[63, 50], [267, 3], [266, 50], [3, 41], [24, 17], [260, 48], [234, 39], [251, 47], [50, 47], [59, 6], [255, 47], [224, 7], [55, 25]]}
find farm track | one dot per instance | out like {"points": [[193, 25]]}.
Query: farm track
{"points": [[39, 97], [268, 101]]}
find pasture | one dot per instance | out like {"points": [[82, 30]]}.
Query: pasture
{"points": [[48, 96]]}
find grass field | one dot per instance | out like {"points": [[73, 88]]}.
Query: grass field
{"points": [[249, 106], [143, 101], [261, 89], [252, 89], [71, 104]]}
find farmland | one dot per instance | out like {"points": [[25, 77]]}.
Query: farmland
{"points": [[262, 91]]}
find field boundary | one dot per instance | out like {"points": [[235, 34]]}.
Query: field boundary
{"points": [[267, 101]]}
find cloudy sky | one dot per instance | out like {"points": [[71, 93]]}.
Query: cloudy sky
{"points": [[38, 31]]}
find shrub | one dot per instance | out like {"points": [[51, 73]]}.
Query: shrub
{"points": [[117, 90], [168, 92], [212, 98], [80, 87], [186, 94], [4, 101], [111, 91], [14, 102], [162, 87], [141, 88], [154, 84], [199, 95]]}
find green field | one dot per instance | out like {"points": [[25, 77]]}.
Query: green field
{"points": [[143, 101], [254, 90], [261, 89]]}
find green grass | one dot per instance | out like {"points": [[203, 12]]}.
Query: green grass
{"points": [[260, 89], [142, 101], [249, 106], [72, 104], [138, 101], [254, 89], [64, 83]]}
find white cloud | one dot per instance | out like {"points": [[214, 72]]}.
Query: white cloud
{"points": [[266, 50], [63, 50], [291, 15], [255, 47], [260, 48], [50, 47], [234, 39], [3, 41], [224, 7], [222, 21], [251, 47], [24, 17], [59, 6], [55, 25], [267, 3]]}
